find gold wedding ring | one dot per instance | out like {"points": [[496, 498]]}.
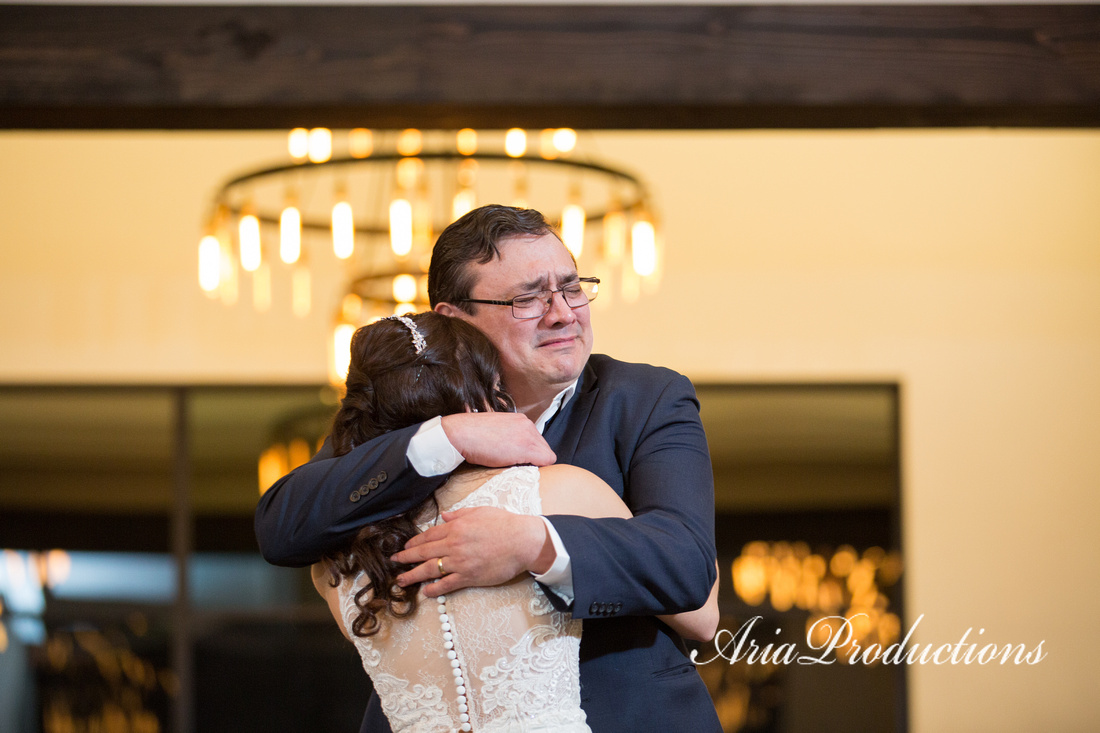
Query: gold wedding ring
{"points": [[439, 564]]}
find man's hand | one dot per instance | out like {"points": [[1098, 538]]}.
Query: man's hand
{"points": [[479, 546], [497, 439]]}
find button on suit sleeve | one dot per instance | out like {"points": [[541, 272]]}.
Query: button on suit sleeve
{"points": [[314, 510]]}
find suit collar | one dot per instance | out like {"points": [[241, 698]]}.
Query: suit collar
{"points": [[561, 399], [563, 433]]}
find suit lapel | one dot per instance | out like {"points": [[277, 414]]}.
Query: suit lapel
{"points": [[564, 431]]}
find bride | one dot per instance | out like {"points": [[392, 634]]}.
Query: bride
{"points": [[497, 659]]}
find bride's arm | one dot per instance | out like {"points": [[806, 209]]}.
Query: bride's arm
{"points": [[698, 625], [570, 490]]}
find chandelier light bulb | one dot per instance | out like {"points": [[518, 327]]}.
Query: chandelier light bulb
{"points": [[466, 141], [425, 179], [515, 142], [290, 235], [422, 218], [519, 184], [341, 352], [228, 277], [404, 288], [467, 173], [547, 149], [410, 142], [59, 566], [643, 243], [272, 466], [360, 142], [404, 309], [298, 143], [351, 308], [210, 264], [401, 227], [464, 202], [320, 144], [408, 172], [343, 230], [565, 139], [614, 235], [248, 232], [298, 453], [572, 228]]}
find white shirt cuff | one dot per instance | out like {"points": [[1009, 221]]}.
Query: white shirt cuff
{"points": [[430, 451], [559, 578]]}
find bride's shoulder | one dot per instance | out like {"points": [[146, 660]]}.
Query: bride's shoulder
{"points": [[560, 472], [569, 489]]}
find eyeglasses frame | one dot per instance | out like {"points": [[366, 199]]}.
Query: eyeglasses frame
{"points": [[549, 299]]}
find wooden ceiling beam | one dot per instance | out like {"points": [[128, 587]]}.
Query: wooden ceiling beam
{"points": [[641, 67]]}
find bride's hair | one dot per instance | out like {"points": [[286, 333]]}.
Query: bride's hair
{"points": [[394, 381]]}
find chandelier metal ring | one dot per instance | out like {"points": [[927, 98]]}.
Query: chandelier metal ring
{"points": [[637, 199], [352, 232]]}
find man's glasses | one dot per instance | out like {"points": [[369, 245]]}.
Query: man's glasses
{"points": [[536, 305]]}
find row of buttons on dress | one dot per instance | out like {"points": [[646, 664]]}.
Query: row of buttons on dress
{"points": [[605, 609], [368, 487], [456, 665]]}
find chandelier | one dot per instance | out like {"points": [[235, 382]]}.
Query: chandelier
{"points": [[348, 222]]}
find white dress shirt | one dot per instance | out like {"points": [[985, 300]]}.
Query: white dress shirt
{"points": [[432, 454]]}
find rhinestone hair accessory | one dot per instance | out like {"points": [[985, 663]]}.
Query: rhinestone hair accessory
{"points": [[417, 338]]}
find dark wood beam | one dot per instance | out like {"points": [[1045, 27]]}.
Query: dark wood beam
{"points": [[593, 66]]}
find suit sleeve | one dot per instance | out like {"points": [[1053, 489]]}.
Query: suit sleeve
{"points": [[662, 560], [319, 507]]}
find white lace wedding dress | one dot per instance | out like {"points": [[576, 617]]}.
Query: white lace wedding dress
{"points": [[494, 660]]}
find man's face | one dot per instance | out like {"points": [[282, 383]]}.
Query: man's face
{"points": [[540, 355]]}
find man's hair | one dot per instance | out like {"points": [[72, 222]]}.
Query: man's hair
{"points": [[476, 238]]}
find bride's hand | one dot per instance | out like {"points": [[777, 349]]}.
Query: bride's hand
{"points": [[479, 546]]}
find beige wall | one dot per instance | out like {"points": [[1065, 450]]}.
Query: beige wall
{"points": [[965, 265]]}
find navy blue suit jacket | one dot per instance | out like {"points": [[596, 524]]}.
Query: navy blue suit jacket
{"points": [[635, 426]]}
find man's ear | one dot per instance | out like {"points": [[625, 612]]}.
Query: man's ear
{"points": [[453, 312]]}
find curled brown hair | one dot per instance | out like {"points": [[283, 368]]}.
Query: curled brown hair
{"points": [[389, 387]]}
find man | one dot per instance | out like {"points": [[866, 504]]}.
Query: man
{"points": [[635, 426]]}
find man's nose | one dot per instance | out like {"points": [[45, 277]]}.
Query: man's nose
{"points": [[559, 312]]}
